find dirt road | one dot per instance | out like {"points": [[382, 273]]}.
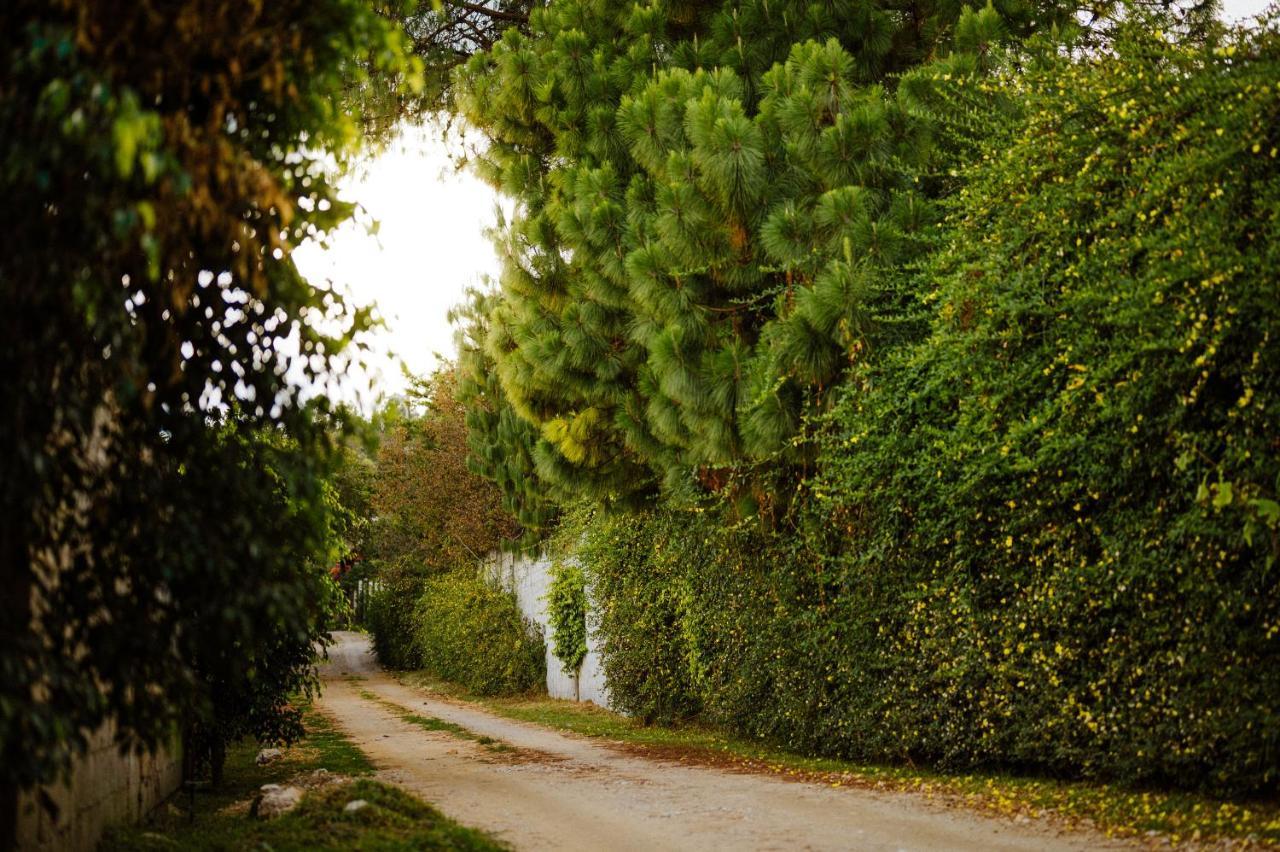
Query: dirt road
{"points": [[562, 792]]}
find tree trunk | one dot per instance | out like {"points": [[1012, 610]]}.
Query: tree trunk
{"points": [[217, 761]]}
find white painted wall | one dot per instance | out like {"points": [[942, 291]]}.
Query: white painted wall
{"points": [[591, 682], [529, 578]]}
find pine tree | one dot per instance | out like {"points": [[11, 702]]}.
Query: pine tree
{"points": [[500, 442], [715, 205]]}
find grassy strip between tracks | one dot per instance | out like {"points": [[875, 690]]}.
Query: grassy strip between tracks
{"points": [[431, 723]]}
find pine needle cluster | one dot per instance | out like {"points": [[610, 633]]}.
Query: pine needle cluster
{"points": [[716, 207]]}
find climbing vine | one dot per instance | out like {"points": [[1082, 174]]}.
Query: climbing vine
{"points": [[567, 603]]}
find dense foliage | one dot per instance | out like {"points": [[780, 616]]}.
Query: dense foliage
{"points": [[715, 203], [155, 549], [1043, 536], [567, 612], [1073, 479], [429, 522], [469, 632], [431, 512], [413, 508]]}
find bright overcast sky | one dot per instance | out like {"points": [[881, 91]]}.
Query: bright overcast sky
{"points": [[1235, 10], [430, 246]]}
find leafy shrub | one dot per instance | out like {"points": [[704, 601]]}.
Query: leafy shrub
{"points": [[390, 620], [640, 589], [473, 634], [567, 605]]}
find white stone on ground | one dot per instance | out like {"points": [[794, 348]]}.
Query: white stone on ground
{"points": [[267, 755], [275, 800]]}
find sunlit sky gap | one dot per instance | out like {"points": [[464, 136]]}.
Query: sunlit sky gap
{"points": [[429, 247]]}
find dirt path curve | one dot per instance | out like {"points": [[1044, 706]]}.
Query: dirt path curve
{"points": [[565, 792]]}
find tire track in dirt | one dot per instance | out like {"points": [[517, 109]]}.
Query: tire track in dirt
{"points": [[566, 793]]}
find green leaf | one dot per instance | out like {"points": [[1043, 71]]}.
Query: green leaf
{"points": [[124, 133], [1268, 510], [147, 213]]}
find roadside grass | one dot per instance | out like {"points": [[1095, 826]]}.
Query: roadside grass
{"points": [[325, 747], [431, 723], [1117, 811], [393, 819]]}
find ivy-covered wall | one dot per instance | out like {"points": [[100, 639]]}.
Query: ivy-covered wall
{"points": [[1043, 537], [1081, 674], [530, 578]]}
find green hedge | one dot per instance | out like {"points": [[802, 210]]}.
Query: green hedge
{"points": [[1045, 537], [700, 618], [471, 633], [1072, 482], [390, 621]]}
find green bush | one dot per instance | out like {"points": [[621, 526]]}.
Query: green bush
{"points": [[391, 624], [1044, 537], [471, 633], [638, 589]]}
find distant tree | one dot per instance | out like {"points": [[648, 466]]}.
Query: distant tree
{"points": [[433, 512], [159, 162], [500, 441]]}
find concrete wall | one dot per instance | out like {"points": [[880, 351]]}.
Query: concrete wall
{"points": [[529, 578], [105, 788]]}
